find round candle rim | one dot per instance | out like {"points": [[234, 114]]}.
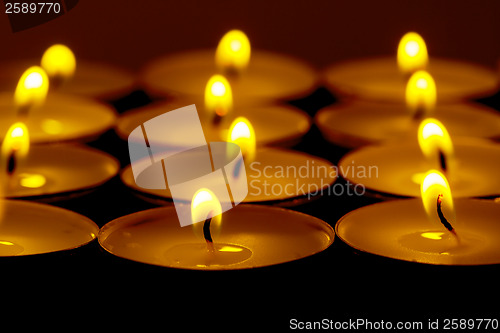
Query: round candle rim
{"points": [[327, 228], [418, 202], [95, 132], [56, 196], [343, 91], [31, 204], [179, 102], [152, 89], [351, 140], [286, 202], [457, 141]]}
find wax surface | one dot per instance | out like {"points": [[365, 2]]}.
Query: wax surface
{"points": [[293, 122], [28, 228], [91, 79], [379, 79], [358, 123], [273, 235], [400, 167], [276, 175], [61, 118], [268, 76], [66, 168], [401, 230]]}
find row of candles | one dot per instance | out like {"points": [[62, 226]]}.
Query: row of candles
{"points": [[408, 117]]}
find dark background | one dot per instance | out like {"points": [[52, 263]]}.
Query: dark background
{"points": [[89, 288]]}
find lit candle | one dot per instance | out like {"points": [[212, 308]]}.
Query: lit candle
{"points": [[28, 228], [47, 171], [217, 111], [246, 236], [434, 230], [383, 78], [357, 123], [255, 75], [471, 165], [84, 78], [52, 117], [273, 175]]}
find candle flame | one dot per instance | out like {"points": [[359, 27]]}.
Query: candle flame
{"points": [[434, 185], [205, 205], [434, 140], [241, 132], [16, 140], [32, 88], [421, 93], [412, 53], [59, 62], [233, 52], [218, 96]]}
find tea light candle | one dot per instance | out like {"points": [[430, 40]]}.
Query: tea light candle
{"points": [[400, 167], [50, 171], [357, 123], [273, 175], [400, 229], [84, 78], [383, 78], [28, 228], [60, 118], [261, 76], [293, 123], [250, 236]]}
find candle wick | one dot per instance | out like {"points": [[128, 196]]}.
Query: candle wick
{"points": [[207, 234], [11, 163], [442, 160], [443, 219], [216, 120]]}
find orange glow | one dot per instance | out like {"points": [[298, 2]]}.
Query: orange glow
{"points": [[421, 93], [32, 88], [218, 96], [434, 184], [233, 51], [412, 53], [241, 132], [59, 61]]}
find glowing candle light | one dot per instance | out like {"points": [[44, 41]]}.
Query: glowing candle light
{"points": [[435, 229], [468, 163], [256, 76], [233, 52], [421, 94], [412, 53], [383, 79], [59, 62], [31, 89], [242, 133], [218, 97]]}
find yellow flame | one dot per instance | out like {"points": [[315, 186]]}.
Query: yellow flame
{"points": [[233, 51], [59, 61], [434, 184], [433, 138], [241, 132], [218, 96], [204, 205], [412, 53], [16, 140], [32, 88], [421, 93]]}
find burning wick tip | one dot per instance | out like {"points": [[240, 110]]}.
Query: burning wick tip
{"points": [[442, 218]]}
